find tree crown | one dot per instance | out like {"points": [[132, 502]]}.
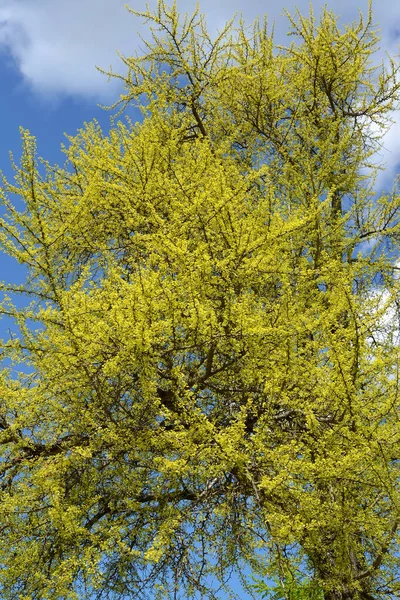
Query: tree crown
{"points": [[212, 382]]}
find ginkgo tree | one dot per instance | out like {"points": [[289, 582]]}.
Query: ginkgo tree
{"points": [[202, 379]]}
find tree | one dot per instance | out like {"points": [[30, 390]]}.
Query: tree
{"points": [[210, 383]]}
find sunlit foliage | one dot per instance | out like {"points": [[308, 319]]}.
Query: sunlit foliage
{"points": [[204, 380]]}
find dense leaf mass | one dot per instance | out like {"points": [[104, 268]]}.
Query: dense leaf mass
{"points": [[206, 377]]}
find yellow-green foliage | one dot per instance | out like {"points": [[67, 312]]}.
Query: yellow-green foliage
{"points": [[205, 377]]}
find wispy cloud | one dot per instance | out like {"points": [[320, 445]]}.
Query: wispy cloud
{"points": [[56, 45]]}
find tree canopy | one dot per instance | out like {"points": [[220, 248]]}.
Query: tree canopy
{"points": [[202, 379]]}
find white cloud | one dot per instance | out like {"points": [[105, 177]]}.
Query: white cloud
{"points": [[386, 313], [55, 44]]}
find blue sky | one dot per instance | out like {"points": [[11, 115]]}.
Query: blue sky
{"points": [[49, 49]]}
